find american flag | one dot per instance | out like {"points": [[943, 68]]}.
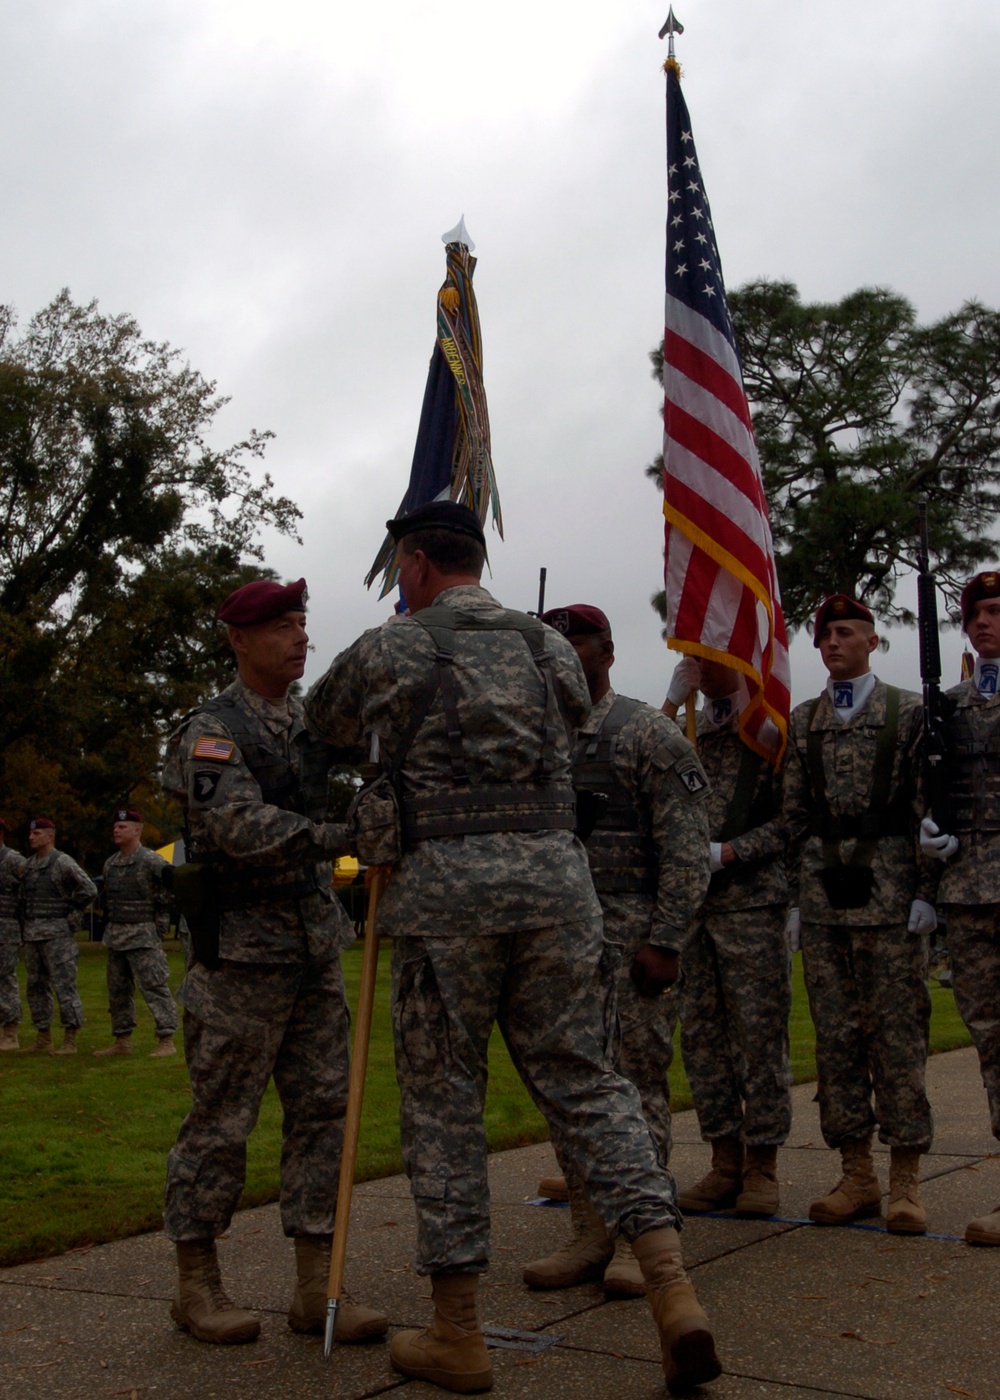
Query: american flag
{"points": [[722, 591]]}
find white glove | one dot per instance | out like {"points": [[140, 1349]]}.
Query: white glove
{"points": [[933, 843], [793, 930], [685, 680], [923, 917], [715, 856]]}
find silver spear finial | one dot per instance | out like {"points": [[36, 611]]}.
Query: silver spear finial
{"points": [[673, 26]]}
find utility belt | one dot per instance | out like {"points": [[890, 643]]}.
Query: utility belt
{"points": [[472, 811], [204, 891], [866, 826]]}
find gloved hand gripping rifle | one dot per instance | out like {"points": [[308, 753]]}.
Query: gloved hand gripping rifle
{"points": [[937, 706]]}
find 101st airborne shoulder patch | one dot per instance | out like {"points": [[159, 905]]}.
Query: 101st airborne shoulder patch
{"points": [[221, 750]]}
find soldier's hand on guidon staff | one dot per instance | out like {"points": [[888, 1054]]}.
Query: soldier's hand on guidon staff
{"points": [[655, 970], [685, 680], [936, 843]]}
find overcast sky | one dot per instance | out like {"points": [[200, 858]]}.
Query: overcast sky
{"points": [[264, 185]]}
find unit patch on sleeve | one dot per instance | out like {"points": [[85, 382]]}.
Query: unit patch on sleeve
{"points": [[204, 783], [692, 779], [209, 747]]}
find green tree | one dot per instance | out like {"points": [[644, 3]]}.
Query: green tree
{"points": [[858, 412], [121, 529]]}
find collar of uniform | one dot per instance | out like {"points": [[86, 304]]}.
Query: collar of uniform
{"points": [[872, 713], [598, 713], [276, 720], [466, 595], [708, 711]]}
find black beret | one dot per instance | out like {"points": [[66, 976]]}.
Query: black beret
{"points": [[438, 515]]}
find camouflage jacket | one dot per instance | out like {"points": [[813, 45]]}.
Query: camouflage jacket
{"points": [[658, 770], [12, 865], [972, 876], [848, 751], [54, 892], [226, 813], [758, 877], [135, 900], [490, 882]]}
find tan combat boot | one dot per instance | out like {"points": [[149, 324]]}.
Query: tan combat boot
{"points": [[164, 1046], [200, 1304], [719, 1189], [985, 1229], [553, 1188], [68, 1047], [759, 1196], [43, 1043], [687, 1346], [451, 1352], [585, 1255], [906, 1214], [8, 1038], [121, 1045], [857, 1194], [623, 1277], [355, 1323]]}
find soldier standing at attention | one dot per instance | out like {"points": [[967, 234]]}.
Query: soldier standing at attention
{"points": [[970, 848], [852, 806], [495, 920], [135, 903], [12, 865], [263, 996], [649, 860], [54, 892]]}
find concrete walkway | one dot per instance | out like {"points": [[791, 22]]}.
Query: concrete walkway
{"points": [[798, 1310]]}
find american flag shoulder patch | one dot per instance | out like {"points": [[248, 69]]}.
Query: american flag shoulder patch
{"points": [[221, 750]]}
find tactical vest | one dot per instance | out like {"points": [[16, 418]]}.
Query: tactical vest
{"points": [[302, 790], [622, 859], [973, 772], [10, 888], [883, 817], [543, 803], [43, 898], [127, 898]]}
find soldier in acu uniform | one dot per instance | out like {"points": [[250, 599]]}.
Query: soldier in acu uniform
{"points": [[852, 804], [12, 865], [970, 847], [648, 855], [135, 903], [263, 996], [54, 892], [735, 992], [495, 920]]}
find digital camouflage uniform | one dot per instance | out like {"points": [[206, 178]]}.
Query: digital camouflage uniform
{"points": [[497, 926], [970, 882], [12, 865], [275, 1005], [650, 880], [135, 903], [54, 891], [866, 975], [735, 990]]}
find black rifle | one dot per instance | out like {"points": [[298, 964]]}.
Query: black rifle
{"points": [[937, 706]]}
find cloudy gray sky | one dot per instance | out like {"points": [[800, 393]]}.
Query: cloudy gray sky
{"points": [[264, 185]]}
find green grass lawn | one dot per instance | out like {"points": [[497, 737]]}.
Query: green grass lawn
{"points": [[84, 1140]]}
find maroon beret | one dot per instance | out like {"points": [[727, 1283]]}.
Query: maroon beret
{"points": [[261, 600], [579, 620], [985, 585], [839, 607], [126, 814], [41, 824], [438, 515]]}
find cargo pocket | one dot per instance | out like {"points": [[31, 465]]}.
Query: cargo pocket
{"points": [[419, 1024], [608, 969]]}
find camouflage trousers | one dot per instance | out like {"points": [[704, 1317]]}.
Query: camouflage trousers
{"points": [[870, 1005], [551, 992], [147, 969], [974, 944], [51, 964], [243, 1024], [10, 992], [735, 1000]]}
